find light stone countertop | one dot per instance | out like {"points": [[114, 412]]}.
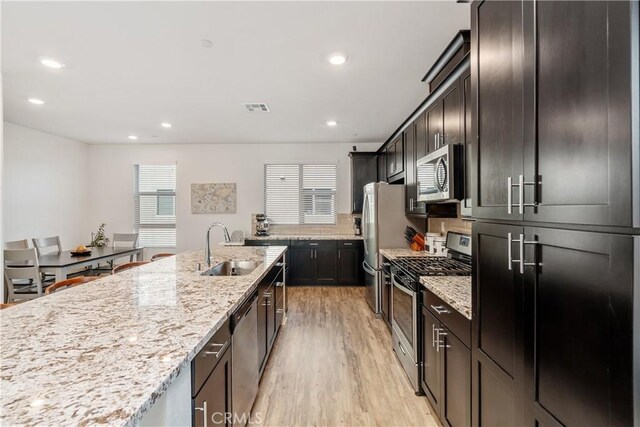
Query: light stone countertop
{"points": [[306, 237], [454, 290], [392, 254], [105, 351]]}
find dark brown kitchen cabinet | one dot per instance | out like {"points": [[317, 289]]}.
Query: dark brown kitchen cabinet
{"points": [[382, 166], [497, 328], [446, 362], [496, 99], [467, 140], [434, 125], [529, 352], [411, 192], [554, 120], [395, 157], [363, 171], [579, 361], [420, 126], [313, 262], [211, 378], [350, 257], [452, 114], [215, 395]]}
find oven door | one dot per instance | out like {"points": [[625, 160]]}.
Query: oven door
{"points": [[404, 316], [436, 172], [404, 329]]}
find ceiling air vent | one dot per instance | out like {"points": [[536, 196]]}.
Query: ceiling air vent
{"points": [[257, 108]]}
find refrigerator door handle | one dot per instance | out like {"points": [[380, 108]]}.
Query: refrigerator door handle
{"points": [[365, 211], [369, 270]]}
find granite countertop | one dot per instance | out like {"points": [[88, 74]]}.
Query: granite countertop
{"points": [[306, 237], [392, 254], [454, 290], [105, 351]]}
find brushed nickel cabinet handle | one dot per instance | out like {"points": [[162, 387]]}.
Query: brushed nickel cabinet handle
{"points": [[204, 410]]}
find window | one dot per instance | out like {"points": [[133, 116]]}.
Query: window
{"points": [[155, 205], [300, 194]]}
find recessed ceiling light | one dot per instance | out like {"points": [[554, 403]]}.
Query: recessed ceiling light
{"points": [[337, 59], [165, 125], [36, 101], [133, 137], [51, 63], [332, 123]]}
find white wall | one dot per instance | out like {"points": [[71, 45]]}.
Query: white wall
{"points": [[45, 187], [112, 182]]}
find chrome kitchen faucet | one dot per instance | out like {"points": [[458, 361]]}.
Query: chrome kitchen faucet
{"points": [[227, 239]]}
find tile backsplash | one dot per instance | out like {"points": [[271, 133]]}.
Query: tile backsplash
{"points": [[343, 225], [442, 225]]}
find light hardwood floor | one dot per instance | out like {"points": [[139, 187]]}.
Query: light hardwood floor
{"points": [[333, 365]]}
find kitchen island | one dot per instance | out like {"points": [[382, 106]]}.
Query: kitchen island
{"points": [[106, 351]]}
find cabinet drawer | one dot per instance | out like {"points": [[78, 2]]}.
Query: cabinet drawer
{"points": [[209, 356], [314, 243], [349, 243], [449, 316], [266, 243]]}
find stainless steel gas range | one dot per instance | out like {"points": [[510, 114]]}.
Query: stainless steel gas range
{"points": [[405, 297]]}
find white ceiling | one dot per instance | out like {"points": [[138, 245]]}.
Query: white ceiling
{"points": [[132, 65]]}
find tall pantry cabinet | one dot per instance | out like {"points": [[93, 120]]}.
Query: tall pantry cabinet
{"points": [[556, 194]]}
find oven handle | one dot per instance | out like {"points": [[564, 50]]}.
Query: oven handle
{"points": [[401, 286]]}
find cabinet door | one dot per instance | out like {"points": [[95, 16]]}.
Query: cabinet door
{"points": [[382, 167], [270, 303], [420, 126], [497, 340], [386, 298], [302, 264], [411, 194], [391, 159], [262, 329], [399, 153], [363, 171], [431, 364], [467, 140], [456, 396], [214, 398], [579, 325], [434, 126], [583, 110], [349, 266], [496, 89], [326, 265], [451, 115]]}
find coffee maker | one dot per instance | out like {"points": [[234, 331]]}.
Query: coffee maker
{"points": [[357, 226], [262, 225]]}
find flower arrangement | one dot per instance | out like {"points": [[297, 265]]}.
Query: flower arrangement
{"points": [[99, 239]]}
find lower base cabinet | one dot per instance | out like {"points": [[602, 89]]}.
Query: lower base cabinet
{"points": [[446, 365], [211, 381]]}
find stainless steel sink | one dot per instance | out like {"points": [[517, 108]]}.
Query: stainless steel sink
{"points": [[234, 267]]}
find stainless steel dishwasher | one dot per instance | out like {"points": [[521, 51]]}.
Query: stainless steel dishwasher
{"points": [[244, 364]]}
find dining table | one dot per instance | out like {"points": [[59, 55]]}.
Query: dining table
{"points": [[64, 262]]}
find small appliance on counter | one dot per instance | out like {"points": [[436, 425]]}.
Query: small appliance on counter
{"points": [[357, 226], [262, 225]]}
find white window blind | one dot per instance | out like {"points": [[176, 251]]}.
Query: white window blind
{"points": [[300, 194], [155, 205]]}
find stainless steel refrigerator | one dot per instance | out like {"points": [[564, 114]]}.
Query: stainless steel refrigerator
{"points": [[383, 225]]}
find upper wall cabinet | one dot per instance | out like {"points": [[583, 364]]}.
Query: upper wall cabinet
{"points": [[555, 109], [364, 169]]}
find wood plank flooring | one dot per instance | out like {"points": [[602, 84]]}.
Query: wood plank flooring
{"points": [[333, 365]]}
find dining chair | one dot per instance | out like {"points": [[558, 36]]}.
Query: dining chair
{"points": [[69, 283], [156, 257], [119, 240], [17, 244], [128, 266], [46, 245], [22, 274]]}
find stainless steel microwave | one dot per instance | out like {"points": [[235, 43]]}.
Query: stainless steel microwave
{"points": [[440, 176]]}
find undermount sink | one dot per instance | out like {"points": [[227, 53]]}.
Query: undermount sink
{"points": [[234, 267]]}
